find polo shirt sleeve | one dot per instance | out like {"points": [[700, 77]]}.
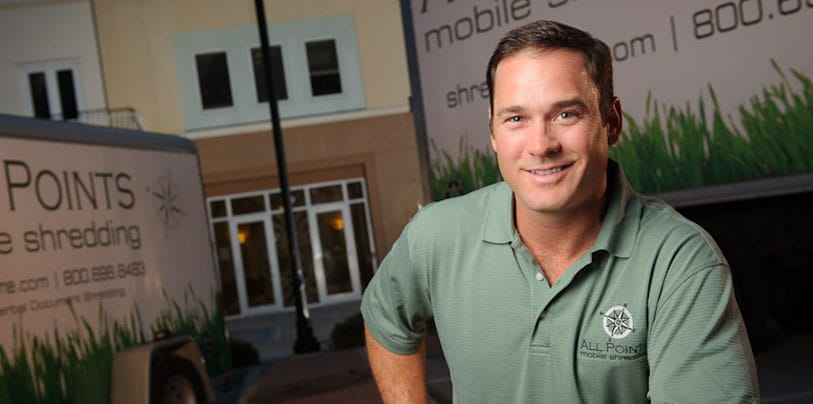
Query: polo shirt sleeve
{"points": [[698, 347], [396, 304]]}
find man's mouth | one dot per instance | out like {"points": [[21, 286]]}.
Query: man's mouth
{"points": [[549, 171]]}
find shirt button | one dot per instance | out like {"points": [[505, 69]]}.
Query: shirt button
{"points": [[539, 276]]}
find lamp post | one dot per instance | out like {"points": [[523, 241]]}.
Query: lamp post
{"points": [[305, 340]]}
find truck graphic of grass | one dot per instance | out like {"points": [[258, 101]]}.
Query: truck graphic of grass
{"points": [[681, 148]]}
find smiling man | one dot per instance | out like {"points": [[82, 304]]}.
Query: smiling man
{"points": [[560, 284]]}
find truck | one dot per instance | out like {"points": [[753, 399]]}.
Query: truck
{"points": [[108, 285], [724, 138]]}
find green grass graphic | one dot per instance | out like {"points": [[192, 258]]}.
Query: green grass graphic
{"points": [[681, 148], [674, 148], [74, 366], [474, 168]]}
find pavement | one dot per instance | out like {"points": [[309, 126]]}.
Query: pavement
{"points": [[343, 376]]}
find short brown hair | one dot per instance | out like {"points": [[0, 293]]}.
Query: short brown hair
{"points": [[547, 35]]}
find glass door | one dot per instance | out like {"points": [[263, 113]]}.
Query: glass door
{"points": [[334, 249], [257, 277]]}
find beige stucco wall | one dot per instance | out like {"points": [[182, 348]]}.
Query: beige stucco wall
{"points": [[42, 33], [136, 46], [136, 38], [381, 149]]}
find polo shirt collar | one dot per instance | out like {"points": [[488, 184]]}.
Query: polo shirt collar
{"points": [[498, 226], [618, 229]]}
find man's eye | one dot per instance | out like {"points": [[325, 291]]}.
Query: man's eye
{"points": [[515, 119], [566, 114]]}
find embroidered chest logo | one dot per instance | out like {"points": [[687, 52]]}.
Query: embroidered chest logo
{"points": [[617, 322]]}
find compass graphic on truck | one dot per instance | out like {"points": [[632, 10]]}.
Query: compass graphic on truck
{"points": [[166, 201]]}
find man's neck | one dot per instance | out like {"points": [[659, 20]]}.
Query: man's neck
{"points": [[557, 240]]}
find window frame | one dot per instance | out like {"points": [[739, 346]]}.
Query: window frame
{"points": [[50, 70], [284, 72], [336, 46], [197, 80]]}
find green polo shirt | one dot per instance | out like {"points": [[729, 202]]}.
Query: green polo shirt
{"points": [[647, 314]]}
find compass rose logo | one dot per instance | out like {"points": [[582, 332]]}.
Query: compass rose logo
{"points": [[617, 322], [166, 201]]}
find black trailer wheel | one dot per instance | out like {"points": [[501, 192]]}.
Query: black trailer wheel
{"points": [[176, 383], [178, 390]]}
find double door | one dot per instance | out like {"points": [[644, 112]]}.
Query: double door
{"points": [[263, 273]]}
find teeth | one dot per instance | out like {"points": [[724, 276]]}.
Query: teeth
{"points": [[548, 171]]}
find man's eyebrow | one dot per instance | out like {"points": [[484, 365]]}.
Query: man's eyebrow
{"points": [[511, 109], [573, 102], [568, 103]]}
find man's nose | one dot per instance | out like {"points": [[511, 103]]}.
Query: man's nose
{"points": [[542, 141]]}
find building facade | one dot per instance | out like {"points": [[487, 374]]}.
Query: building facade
{"points": [[194, 68]]}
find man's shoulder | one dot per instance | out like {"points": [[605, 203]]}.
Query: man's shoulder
{"points": [[450, 222], [467, 208], [664, 228]]}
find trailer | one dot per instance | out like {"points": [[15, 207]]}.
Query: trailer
{"points": [[108, 286]]}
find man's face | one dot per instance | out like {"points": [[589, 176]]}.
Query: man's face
{"points": [[546, 128]]}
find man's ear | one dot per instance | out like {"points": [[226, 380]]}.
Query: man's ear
{"points": [[491, 130], [615, 121]]}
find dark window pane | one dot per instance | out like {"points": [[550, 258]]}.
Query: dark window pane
{"points": [[323, 63], [334, 252], [363, 245], [256, 265], [277, 72], [250, 204], [213, 79], [225, 265], [297, 199], [39, 95], [305, 253], [332, 193], [354, 190], [67, 94], [276, 201], [218, 208]]}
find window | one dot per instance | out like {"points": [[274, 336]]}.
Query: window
{"points": [[52, 91], [218, 209], [277, 74], [315, 66], [249, 204], [323, 64], [213, 80], [326, 194]]}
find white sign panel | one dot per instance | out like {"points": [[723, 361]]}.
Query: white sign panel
{"points": [[673, 52], [95, 227]]}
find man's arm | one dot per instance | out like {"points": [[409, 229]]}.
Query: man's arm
{"points": [[698, 347], [400, 378]]}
